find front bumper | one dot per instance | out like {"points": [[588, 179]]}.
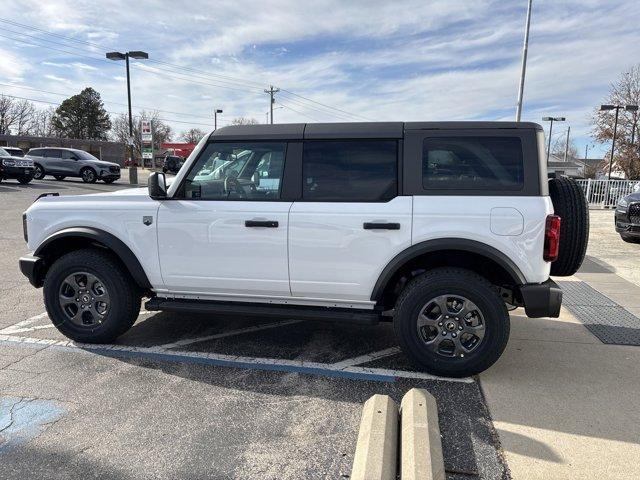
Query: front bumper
{"points": [[16, 172], [541, 299], [627, 221], [31, 267]]}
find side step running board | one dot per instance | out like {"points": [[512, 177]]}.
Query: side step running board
{"points": [[366, 317]]}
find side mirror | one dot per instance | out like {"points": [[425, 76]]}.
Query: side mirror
{"points": [[157, 185]]}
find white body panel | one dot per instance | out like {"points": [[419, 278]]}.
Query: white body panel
{"points": [[205, 247], [513, 225], [331, 255], [119, 213]]}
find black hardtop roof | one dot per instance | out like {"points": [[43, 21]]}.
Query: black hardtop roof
{"points": [[288, 131]]}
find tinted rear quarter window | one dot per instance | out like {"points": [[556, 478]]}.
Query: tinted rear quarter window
{"points": [[350, 170], [472, 163]]}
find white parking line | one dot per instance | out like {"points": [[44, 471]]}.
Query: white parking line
{"points": [[23, 326], [233, 361], [230, 333], [369, 357]]}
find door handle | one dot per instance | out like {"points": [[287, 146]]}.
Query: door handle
{"points": [[380, 226], [261, 223]]}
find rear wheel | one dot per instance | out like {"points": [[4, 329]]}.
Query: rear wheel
{"points": [[90, 297], [59, 177], [451, 322], [570, 204], [39, 172], [88, 175]]}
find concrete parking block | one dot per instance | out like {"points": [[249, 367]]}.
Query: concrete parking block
{"points": [[376, 451], [420, 442]]}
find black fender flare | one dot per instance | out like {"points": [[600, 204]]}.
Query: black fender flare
{"points": [[113, 243], [430, 246]]}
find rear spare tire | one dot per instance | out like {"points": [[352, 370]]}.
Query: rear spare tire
{"points": [[570, 204]]}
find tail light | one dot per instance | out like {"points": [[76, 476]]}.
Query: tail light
{"points": [[552, 238]]}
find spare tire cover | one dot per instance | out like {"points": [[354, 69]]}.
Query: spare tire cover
{"points": [[570, 204]]}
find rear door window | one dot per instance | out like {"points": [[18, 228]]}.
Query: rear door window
{"points": [[472, 163], [52, 153], [350, 170]]}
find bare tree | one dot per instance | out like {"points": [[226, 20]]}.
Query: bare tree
{"points": [[16, 115], [42, 125], [193, 135], [244, 121], [625, 91], [558, 147], [162, 132]]}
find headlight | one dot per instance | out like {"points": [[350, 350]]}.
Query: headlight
{"points": [[623, 202], [7, 162]]}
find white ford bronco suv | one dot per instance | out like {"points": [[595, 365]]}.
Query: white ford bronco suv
{"points": [[440, 227]]}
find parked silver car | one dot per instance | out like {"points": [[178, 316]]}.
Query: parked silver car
{"points": [[70, 162]]}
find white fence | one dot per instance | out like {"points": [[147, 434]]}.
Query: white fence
{"points": [[605, 193]]}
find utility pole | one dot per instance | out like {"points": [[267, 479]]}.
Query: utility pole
{"points": [[551, 119], [524, 62], [586, 151], [566, 144], [271, 92], [215, 117]]}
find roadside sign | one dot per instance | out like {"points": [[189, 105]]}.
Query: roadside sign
{"points": [[147, 153], [145, 130]]}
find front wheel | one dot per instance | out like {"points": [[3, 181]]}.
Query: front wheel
{"points": [[88, 175], [24, 180], [39, 172], [451, 322], [90, 297]]}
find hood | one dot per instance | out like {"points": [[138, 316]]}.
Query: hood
{"points": [[634, 197], [102, 163], [122, 193]]}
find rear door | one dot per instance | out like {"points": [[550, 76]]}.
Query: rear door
{"points": [[350, 221], [224, 233]]}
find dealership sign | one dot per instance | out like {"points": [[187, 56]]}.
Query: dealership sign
{"points": [[145, 129]]}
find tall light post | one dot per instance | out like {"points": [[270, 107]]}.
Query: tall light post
{"points": [[270, 112], [524, 63], [617, 108], [551, 119], [215, 117], [138, 55]]}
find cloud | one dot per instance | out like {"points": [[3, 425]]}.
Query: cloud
{"points": [[402, 60]]}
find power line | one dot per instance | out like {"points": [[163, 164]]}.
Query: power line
{"points": [[104, 101], [180, 67], [297, 111], [108, 111]]}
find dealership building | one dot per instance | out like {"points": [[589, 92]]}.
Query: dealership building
{"points": [[108, 151]]}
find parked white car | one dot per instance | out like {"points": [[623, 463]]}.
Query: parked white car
{"points": [[437, 227]]}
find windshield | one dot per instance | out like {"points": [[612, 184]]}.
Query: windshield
{"points": [[81, 154], [16, 152], [4, 153]]}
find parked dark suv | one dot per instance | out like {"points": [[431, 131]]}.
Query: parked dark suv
{"points": [[70, 162], [172, 164], [12, 166], [627, 218]]}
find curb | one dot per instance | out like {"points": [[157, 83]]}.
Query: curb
{"points": [[420, 441], [377, 447], [416, 448]]}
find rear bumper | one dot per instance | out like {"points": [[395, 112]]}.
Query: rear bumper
{"points": [[541, 299], [31, 267]]}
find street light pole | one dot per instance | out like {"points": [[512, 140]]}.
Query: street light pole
{"points": [[551, 119], [566, 143], [524, 63], [139, 55]]}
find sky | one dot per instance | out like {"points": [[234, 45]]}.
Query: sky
{"points": [[333, 60]]}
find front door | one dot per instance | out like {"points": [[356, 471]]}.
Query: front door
{"points": [[224, 233]]}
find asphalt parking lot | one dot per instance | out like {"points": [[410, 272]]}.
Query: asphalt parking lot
{"points": [[187, 396]]}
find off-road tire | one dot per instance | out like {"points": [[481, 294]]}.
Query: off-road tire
{"points": [[123, 292], [88, 175], [451, 281], [39, 172], [570, 204]]}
